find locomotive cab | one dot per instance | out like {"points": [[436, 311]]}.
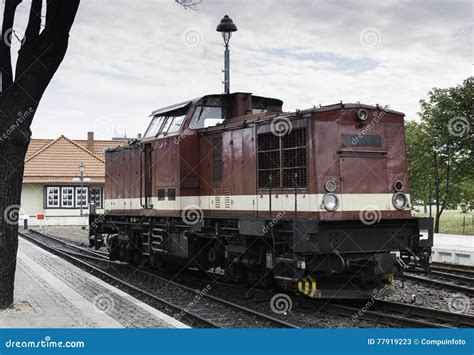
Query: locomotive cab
{"points": [[208, 111]]}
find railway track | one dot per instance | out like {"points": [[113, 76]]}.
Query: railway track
{"points": [[194, 307], [395, 314], [461, 270], [65, 246], [444, 281], [209, 311]]}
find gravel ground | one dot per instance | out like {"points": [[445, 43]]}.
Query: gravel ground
{"points": [[74, 234], [430, 297]]}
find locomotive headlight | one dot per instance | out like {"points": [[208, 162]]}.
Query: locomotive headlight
{"points": [[362, 114], [400, 201], [330, 202], [398, 185], [330, 186]]}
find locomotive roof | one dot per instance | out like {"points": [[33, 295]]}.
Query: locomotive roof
{"points": [[180, 107], [263, 117]]}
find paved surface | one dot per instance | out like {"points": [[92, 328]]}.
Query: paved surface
{"points": [[52, 293]]}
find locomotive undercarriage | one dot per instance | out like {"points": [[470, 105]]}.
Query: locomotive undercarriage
{"points": [[342, 259]]}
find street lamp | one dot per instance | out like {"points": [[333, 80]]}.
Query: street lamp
{"points": [[82, 168], [226, 27]]}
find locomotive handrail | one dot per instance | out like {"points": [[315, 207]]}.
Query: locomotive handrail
{"points": [[141, 177]]}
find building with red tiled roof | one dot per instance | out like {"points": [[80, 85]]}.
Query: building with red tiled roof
{"points": [[52, 193]]}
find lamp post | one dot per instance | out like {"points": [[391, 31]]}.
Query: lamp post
{"points": [[226, 27], [82, 168]]}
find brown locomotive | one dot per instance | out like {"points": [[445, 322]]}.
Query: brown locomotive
{"points": [[316, 200]]}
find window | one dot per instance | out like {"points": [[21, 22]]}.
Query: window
{"points": [[96, 197], [155, 126], [282, 161], [81, 197], [52, 197], [67, 197], [161, 194], [176, 125], [217, 158], [207, 116], [161, 126], [171, 194]]}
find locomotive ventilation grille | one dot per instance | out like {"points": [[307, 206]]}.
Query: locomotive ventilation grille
{"points": [[282, 161]]}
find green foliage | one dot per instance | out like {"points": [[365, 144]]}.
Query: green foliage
{"points": [[441, 146]]}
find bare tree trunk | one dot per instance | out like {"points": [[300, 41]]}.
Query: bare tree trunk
{"points": [[10, 190], [437, 193], [39, 57]]}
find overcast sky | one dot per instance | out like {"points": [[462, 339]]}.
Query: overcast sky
{"points": [[127, 58]]}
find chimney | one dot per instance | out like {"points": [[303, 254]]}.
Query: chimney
{"points": [[90, 141]]}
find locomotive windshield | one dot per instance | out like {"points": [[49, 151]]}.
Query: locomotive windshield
{"points": [[164, 125], [207, 116]]}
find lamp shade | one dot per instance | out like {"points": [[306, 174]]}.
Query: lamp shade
{"points": [[226, 25]]}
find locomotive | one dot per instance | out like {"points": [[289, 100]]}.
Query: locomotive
{"points": [[314, 200]]}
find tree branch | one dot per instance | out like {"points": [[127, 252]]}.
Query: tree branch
{"points": [[34, 21], [32, 32], [6, 70]]}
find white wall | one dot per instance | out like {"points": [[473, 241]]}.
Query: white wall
{"points": [[32, 205]]}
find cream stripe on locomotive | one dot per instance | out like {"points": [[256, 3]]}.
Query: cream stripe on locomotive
{"points": [[280, 202]]}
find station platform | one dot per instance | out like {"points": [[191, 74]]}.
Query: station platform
{"points": [[52, 293], [455, 249]]}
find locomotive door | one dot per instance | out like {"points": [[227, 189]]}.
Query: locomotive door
{"points": [[215, 203], [146, 176], [363, 181]]}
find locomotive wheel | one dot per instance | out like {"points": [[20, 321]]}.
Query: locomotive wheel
{"points": [[98, 245], [236, 273]]}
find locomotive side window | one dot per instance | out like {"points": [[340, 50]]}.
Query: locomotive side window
{"points": [[171, 194], [161, 194], [282, 161], [207, 116]]}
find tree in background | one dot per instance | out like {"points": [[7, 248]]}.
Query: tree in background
{"points": [[40, 54], [441, 145]]}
